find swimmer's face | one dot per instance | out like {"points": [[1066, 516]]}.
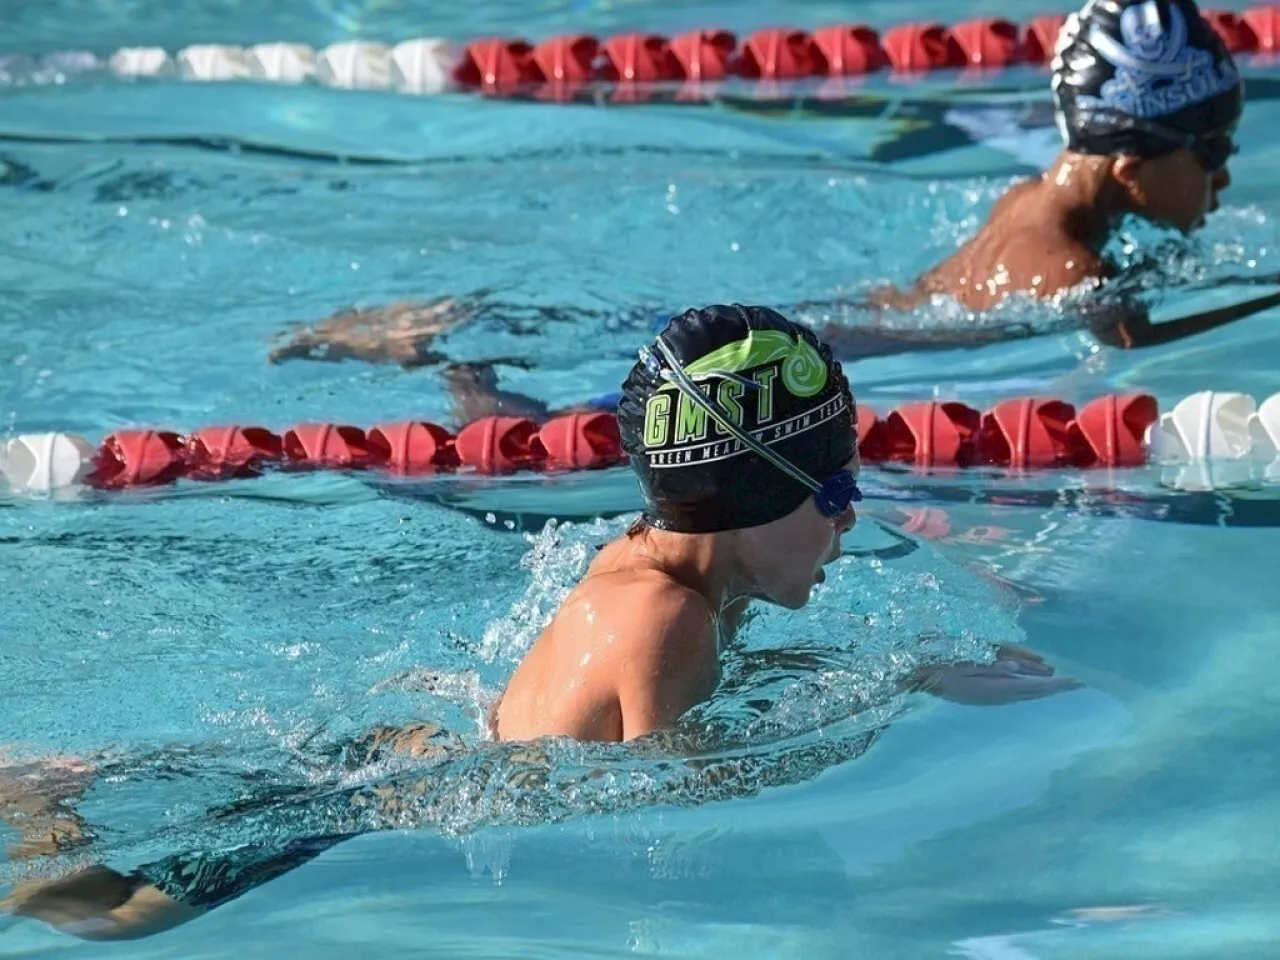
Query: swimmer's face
{"points": [[1175, 190], [784, 559]]}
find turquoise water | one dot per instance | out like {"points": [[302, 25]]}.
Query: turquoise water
{"points": [[211, 641]]}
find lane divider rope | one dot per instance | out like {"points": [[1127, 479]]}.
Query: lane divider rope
{"points": [[1028, 433], [635, 65]]}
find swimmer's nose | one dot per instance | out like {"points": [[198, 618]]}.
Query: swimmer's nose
{"points": [[846, 520], [1221, 180]]}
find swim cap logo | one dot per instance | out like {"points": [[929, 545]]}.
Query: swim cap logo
{"points": [[803, 372], [741, 378], [1157, 72]]}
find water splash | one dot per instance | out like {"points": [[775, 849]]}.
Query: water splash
{"points": [[558, 557], [1155, 266], [801, 692]]}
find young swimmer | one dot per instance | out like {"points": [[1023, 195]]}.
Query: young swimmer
{"points": [[1147, 98], [741, 429]]}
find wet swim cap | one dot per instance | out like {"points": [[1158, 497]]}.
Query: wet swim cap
{"points": [[1124, 66], [776, 381]]}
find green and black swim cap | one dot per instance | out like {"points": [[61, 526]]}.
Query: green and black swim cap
{"points": [[1143, 77], [777, 383]]}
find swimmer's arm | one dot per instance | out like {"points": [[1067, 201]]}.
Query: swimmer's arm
{"points": [[671, 668], [1131, 328], [396, 333], [476, 394]]}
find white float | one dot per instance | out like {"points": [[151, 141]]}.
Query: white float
{"points": [[426, 65], [281, 62], [45, 463], [358, 66], [142, 62], [213, 63], [1204, 426]]}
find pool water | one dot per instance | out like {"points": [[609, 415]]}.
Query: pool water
{"points": [[211, 644]]}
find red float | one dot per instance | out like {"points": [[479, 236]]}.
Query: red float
{"points": [[498, 66], [914, 47], [137, 458], [988, 43], [582, 441], [569, 59], [1265, 24], [217, 453], [1041, 38], [872, 441], [1114, 429], [326, 446], [500, 445], [639, 58], [776, 54], [1237, 35], [412, 447], [850, 51], [704, 56], [933, 434], [1029, 432]]}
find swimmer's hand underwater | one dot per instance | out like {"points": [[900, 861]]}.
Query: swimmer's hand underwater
{"points": [[1015, 675]]}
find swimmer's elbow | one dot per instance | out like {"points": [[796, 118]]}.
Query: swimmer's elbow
{"points": [[1122, 333], [1120, 325]]}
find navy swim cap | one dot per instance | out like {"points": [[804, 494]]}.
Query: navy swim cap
{"points": [[776, 381], [1127, 72]]}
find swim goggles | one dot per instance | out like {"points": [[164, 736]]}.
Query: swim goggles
{"points": [[832, 497], [1212, 151]]}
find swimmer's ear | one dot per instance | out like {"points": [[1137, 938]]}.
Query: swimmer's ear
{"points": [[1127, 173]]}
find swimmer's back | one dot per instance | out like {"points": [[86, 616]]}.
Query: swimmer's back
{"points": [[1024, 246], [628, 652]]}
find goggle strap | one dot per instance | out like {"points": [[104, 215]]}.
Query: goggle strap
{"points": [[1181, 137]]}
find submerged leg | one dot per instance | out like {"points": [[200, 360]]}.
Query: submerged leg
{"points": [[98, 903]]}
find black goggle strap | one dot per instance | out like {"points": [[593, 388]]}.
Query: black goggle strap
{"points": [[674, 373], [1180, 138]]}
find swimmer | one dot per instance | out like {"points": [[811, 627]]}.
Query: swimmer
{"points": [[741, 429], [1147, 98]]}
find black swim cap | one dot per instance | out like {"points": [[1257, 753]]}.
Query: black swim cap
{"points": [[775, 380], [1150, 61]]}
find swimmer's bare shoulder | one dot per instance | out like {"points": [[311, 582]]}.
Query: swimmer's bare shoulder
{"points": [[1040, 248], [628, 653], [1022, 247]]}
